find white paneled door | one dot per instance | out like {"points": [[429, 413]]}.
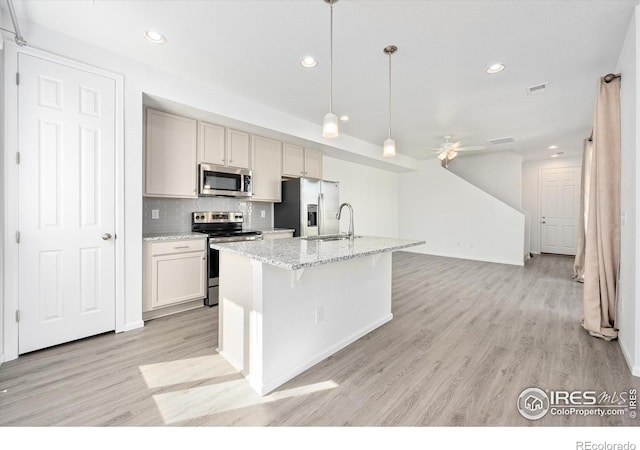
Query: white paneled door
{"points": [[559, 209], [66, 203]]}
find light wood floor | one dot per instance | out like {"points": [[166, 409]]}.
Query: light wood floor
{"points": [[467, 337]]}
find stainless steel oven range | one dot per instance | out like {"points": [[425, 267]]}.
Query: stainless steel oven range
{"points": [[220, 226]]}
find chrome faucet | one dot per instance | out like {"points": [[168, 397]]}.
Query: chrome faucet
{"points": [[351, 234]]}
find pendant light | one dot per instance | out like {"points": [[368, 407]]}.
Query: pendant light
{"points": [[389, 147], [330, 121]]}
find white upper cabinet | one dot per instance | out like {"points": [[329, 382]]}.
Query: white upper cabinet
{"points": [[292, 160], [211, 143], [170, 155], [312, 163], [223, 146], [237, 149], [301, 162], [266, 167]]}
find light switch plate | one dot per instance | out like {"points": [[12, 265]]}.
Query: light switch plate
{"points": [[262, 214], [155, 213]]}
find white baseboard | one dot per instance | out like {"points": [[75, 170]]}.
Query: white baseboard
{"points": [[635, 369], [234, 363], [471, 258], [269, 386], [132, 326]]}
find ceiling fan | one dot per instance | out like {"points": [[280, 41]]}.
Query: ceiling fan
{"points": [[449, 150]]}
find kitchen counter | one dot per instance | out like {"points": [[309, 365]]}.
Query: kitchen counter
{"points": [[173, 236], [287, 304], [298, 253]]}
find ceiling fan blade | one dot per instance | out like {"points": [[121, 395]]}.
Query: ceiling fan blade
{"points": [[455, 145]]}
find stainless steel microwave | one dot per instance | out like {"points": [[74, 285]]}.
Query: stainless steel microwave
{"points": [[224, 181]]}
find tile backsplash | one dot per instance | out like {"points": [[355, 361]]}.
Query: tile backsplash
{"points": [[175, 213]]}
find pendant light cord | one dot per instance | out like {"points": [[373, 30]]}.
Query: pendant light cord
{"points": [[389, 95], [331, 60]]}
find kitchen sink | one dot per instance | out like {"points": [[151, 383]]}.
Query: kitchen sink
{"points": [[328, 237]]}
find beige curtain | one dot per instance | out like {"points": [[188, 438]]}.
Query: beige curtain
{"points": [[587, 158], [602, 212]]}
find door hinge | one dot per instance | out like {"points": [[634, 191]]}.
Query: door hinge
{"points": [[17, 237], [17, 315], [17, 157], [18, 78]]}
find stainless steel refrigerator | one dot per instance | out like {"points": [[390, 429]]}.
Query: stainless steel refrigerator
{"points": [[308, 206]]}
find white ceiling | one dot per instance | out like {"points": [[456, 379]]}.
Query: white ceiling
{"points": [[439, 81]]}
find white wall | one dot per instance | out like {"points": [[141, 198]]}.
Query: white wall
{"points": [[2, 181], [530, 191], [628, 314], [456, 218], [498, 174], [373, 194]]}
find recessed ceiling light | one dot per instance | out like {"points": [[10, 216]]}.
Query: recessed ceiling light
{"points": [[552, 147], [495, 68], [308, 62], [555, 155], [154, 36], [344, 118]]}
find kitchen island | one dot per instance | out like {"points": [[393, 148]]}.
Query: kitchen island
{"points": [[287, 304]]}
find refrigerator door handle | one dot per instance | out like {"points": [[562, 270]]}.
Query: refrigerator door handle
{"points": [[321, 213]]}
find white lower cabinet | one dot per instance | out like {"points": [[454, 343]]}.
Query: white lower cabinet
{"points": [[175, 276]]}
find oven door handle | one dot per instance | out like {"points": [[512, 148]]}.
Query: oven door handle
{"points": [[234, 239]]}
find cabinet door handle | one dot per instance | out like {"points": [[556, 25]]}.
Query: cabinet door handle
{"points": [[182, 246]]}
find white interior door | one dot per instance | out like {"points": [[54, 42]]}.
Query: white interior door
{"points": [[66, 132], [559, 209]]}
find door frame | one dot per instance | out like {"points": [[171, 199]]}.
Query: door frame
{"points": [[539, 212], [9, 298]]}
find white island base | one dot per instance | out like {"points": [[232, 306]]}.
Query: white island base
{"points": [[274, 323]]}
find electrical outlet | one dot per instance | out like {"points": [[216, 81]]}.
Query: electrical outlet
{"points": [[263, 214], [155, 213]]}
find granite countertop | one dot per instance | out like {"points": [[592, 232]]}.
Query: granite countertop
{"points": [[173, 236], [297, 253]]}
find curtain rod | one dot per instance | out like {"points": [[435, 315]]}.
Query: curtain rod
{"points": [[20, 40], [610, 77], [607, 79]]}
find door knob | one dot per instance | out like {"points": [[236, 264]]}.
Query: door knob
{"points": [[106, 236]]}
